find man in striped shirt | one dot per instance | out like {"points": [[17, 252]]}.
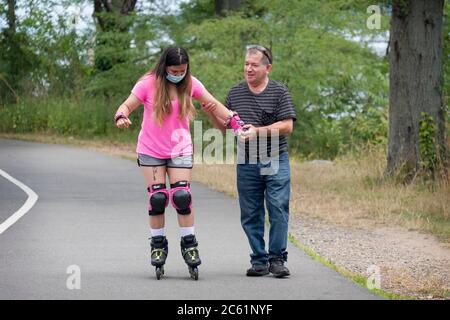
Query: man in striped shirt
{"points": [[263, 171]]}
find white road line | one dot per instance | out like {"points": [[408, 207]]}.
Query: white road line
{"points": [[32, 198]]}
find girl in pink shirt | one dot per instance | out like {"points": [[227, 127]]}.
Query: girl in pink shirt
{"points": [[165, 146]]}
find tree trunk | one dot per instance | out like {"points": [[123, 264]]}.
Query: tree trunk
{"points": [[416, 84], [12, 16], [223, 6]]}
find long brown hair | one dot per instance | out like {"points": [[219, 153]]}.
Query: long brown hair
{"points": [[162, 105]]}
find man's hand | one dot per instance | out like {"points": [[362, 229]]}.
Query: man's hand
{"points": [[248, 132], [209, 107]]}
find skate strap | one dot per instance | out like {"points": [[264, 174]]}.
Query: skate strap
{"points": [[189, 250], [159, 251], [159, 187]]}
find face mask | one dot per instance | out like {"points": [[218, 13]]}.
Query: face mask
{"points": [[174, 79]]}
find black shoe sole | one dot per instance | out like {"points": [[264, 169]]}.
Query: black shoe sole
{"points": [[281, 274], [257, 274], [195, 265]]}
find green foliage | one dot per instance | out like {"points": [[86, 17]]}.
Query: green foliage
{"points": [[86, 118], [46, 53], [196, 11], [339, 86], [121, 54]]}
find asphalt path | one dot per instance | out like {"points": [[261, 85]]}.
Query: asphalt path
{"points": [[86, 237]]}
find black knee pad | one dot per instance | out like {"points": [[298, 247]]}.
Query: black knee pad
{"points": [[180, 192], [158, 200]]}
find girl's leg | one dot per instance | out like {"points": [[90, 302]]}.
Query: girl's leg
{"points": [[188, 242], [155, 178], [152, 176], [180, 174]]}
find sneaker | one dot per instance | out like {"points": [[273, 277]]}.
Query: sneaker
{"points": [[257, 270], [278, 269]]}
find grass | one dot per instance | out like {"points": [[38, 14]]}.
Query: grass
{"points": [[353, 191]]}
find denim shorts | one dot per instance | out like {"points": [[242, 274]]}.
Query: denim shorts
{"points": [[185, 162]]}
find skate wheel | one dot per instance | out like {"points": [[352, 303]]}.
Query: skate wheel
{"points": [[194, 273], [159, 273]]}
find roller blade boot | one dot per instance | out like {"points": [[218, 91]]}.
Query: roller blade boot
{"points": [[190, 254], [159, 251]]}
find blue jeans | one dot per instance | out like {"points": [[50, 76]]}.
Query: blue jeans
{"points": [[254, 186]]}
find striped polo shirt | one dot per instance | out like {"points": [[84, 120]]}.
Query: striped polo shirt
{"points": [[271, 105]]}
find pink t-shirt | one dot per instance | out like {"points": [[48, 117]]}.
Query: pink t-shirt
{"points": [[173, 138]]}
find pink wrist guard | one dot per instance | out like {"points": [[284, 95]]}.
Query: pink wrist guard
{"points": [[235, 122]]}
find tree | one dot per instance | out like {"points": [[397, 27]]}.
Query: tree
{"points": [[12, 15], [222, 6], [16, 60], [416, 111], [117, 8], [339, 87], [112, 32], [10, 45]]}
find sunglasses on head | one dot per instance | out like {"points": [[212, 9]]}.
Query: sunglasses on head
{"points": [[263, 50]]}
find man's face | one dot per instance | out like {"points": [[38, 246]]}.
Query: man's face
{"points": [[255, 71]]}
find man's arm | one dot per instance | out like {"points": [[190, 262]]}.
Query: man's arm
{"points": [[281, 128]]}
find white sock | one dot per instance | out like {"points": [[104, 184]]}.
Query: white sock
{"points": [[157, 232], [186, 231]]}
